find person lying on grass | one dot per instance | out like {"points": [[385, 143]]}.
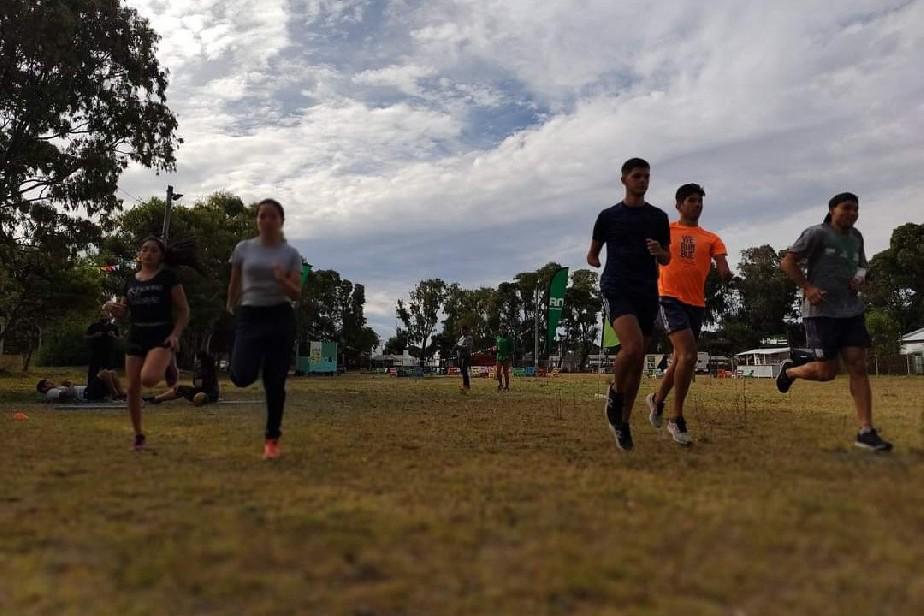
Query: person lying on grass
{"points": [[204, 388], [105, 385]]}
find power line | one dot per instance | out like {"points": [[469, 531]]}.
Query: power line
{"points": [[128, 194]]}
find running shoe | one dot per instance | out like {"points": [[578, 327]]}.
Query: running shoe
{"points": [[678, 431], [872, 441], [655, 410], [271, 449], [783, 382]]}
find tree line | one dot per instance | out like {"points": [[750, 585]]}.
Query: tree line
{"points": [[54, 294], [759, 303]]}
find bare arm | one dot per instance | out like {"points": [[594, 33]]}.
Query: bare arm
{"points": [[790, 266], [117, 309], [721, 264], [593, 254], [234, 288], [291, 283], [660, 253]]}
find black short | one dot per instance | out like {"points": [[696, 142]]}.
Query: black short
{"points": [[827, 336], [677, 316], [639, 302], [143, 339]]}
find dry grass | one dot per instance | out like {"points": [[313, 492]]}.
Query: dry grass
{"points": [[406, 497]]}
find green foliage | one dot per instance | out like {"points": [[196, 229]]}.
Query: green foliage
{"points": [[82, 96], [420, 314], [885, 331]]}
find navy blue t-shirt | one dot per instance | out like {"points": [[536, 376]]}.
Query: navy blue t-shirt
{"points": [[623, 230]]}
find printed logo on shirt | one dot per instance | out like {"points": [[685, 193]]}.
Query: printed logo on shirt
{"points": [[687, 247]]}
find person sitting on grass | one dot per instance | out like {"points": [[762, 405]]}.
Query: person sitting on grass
{"points": [[204, 389], [104, 386]]}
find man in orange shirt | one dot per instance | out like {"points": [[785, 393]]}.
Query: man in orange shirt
{"points": [[682, 298]]}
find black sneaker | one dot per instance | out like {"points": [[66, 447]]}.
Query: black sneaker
{"points": [[613, 408], [872, 441], [139, 442], [623, 436], [783, 382]]}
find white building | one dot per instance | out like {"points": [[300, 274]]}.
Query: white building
{"points": [[761, 363], [913, 342]]}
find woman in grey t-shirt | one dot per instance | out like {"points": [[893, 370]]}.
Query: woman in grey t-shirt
{"points": [[265, 280]]}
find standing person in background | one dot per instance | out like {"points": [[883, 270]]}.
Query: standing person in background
{"points": [[156, 304], [637, 236], [464, 355], [101, 336], [265, 280], [682, 291], [832, 309], [504, 349]]}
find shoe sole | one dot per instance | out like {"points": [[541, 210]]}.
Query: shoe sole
{"points": [[872, 447], [653, 418], [682, 443]]}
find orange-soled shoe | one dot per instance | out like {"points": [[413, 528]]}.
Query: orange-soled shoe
{"points": [[271, 449]]}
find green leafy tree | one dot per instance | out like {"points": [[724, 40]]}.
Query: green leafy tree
{"points": [[581, 314], [420, 314], [82, 96]]}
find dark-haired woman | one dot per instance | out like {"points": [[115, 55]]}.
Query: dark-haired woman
{"points": [[158, 311], [265, 280]]}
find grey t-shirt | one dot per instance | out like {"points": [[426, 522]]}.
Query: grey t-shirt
{"points": [[831, 259], [258, 283]]}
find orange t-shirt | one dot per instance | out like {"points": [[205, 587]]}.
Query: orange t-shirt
{"points": [[692, 251]]}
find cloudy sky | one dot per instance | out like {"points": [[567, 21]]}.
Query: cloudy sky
{"points": [[474, 139]]}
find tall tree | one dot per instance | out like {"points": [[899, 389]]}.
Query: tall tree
{"points": [[581, 314], [896, 277], [82, 96], [766, 296], [420, 313]]}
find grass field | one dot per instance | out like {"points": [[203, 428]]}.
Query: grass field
{"points": [[401, 496]]}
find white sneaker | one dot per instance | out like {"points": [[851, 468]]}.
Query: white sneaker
{"points": [[655, 410], [678, 430]]}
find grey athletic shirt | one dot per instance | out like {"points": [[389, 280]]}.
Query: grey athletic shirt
{"points": [[258, 283], [831, 259]]}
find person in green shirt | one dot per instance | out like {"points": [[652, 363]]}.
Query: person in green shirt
{"points": [[504, 348]]}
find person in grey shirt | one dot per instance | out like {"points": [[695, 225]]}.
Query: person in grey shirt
{"points": [[833, 310], [265, 280]]}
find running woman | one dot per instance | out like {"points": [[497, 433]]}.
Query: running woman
{"points": [[504, 349], [265, 280], [832, 309], [681, 287], [636, 235], [156, 305]]}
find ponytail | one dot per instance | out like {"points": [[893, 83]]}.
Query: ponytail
{"points": [[182, 253], [827, 219]]}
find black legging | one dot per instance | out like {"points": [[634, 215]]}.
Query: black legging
{"points": [[264, 336], [465, 364]]}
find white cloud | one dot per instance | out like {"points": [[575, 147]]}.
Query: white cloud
{"points": [[378, 121]]}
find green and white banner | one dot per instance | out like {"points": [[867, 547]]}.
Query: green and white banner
{"points": [[556, 302]]}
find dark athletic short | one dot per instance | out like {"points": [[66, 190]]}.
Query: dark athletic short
{"points": [[142, 339], [641, 302], [827, 336], [677, 316]]}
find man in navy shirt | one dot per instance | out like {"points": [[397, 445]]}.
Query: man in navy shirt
{"points": [[636, 235]]}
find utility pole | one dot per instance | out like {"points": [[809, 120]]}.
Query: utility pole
{"points": [[536, 331], [171, 197]]}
